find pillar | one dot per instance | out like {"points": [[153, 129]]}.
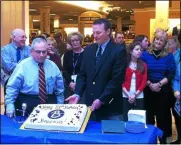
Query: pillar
{"points": [[31, 22], [162, 12], [119, 24], [14, 14], [81, 27], [45, 19]]}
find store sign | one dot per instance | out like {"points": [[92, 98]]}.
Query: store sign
{"points": [[89, 18]]}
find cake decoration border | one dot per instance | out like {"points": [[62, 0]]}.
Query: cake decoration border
{"points": [[82, 129]]}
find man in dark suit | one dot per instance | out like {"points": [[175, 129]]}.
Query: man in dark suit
{"points": [[101, 75]]}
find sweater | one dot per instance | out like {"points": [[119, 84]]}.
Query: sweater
{"points": [[159, 68], [141, 78]]}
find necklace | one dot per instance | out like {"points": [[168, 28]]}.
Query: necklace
{"points": [[156, 55]]}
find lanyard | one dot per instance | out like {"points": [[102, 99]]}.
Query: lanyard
{"points": [[74, 64]]}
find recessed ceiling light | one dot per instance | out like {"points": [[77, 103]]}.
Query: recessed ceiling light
{"points": [[52, 14], [32, 10], [36, 20]]}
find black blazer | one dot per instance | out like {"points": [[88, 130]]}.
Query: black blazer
{"points": [[175, 31], [105, 81]]}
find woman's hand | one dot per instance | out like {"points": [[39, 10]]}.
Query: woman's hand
{"points": [[131, 98], [72, 86], [155, 87]]}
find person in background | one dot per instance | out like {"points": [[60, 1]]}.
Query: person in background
{"points": [[46, 35], [52, 55], [72, 60], [174, 47], [13, 53], [143, 39], [135, 80], [176, 90], [61, 46], [35, 80], [101, 75], [161, 70], [119, 38]]}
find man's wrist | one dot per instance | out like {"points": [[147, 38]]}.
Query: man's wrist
{"points": [[10, 107], [176, 93], [77, 96]]}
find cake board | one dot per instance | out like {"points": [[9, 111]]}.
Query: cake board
{"points": [[82, 129]]}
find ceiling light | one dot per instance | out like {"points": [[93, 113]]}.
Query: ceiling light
{"points": [[52, 14], [32, 10], [36, 20], [90, 5], [70, 19]]}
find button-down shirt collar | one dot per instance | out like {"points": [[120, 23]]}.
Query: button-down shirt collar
{"points": [[103, 46]]}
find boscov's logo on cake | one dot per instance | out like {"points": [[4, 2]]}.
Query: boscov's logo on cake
{"points": [[55, 114]]}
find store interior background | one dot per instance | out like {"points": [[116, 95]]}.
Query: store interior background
{"points": [[130, 17]]}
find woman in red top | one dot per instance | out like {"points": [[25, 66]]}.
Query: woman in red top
{"points": [[135, 80]]}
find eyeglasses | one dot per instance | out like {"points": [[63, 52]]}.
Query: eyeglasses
{"points": [[39, 51]]}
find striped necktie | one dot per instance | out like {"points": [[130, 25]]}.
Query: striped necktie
{"points": [[42, 84], [18, 54], [99, 53]]}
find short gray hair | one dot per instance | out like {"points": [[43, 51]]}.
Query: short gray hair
{"points": [[37, 40]]}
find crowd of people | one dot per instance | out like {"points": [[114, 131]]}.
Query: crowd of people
{"points": [[107, 75]]}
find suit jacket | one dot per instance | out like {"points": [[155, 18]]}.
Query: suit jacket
{"points": [[175, 31], [103, 82]]}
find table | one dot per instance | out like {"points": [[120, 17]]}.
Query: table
{"points": [[10, 133]]}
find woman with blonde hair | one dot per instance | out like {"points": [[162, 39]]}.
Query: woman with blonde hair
{"points": [[161, 70], [52, 52], [72, 60]]}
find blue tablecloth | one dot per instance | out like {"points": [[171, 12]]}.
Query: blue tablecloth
{"points": [[10, 133]]}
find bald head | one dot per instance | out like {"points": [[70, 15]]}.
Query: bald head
{"points": [[18, 37]]}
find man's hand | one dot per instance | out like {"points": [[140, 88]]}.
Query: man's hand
{"points": [[11, 113], [96, 104], [177, 95], [72, 99]]}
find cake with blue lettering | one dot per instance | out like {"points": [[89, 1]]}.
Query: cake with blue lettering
{"points": [[57, 117]]}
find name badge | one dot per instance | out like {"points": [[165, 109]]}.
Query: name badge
{"points": [[74, 77]]}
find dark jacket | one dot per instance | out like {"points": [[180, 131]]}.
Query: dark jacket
{"points": [[104, 81]]}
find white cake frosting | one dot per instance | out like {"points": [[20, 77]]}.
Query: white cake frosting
{"points": [[58, 117]]}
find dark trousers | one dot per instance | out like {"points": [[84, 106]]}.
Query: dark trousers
{"points": [[31, 102], [157, 104], [138, 104]]}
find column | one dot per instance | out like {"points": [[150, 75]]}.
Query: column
{"points": [[119, 24], [81, 27], [45, 19], [14, 14], [31, 22], [162, 11]]}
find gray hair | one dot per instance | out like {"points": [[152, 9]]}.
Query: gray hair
{"points": [[15, 31], [37, 40]]}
